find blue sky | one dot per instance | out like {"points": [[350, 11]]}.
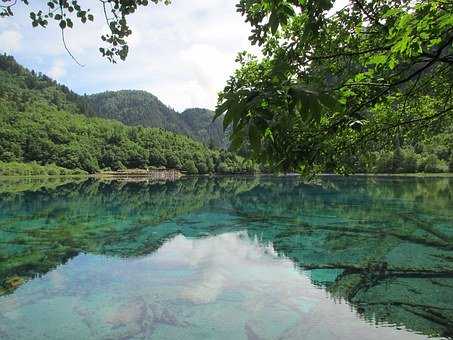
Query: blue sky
{"points": [[182, 53]]}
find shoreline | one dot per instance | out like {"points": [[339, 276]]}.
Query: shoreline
{"points": [[417, 175], [176, 174], [139, 174]]}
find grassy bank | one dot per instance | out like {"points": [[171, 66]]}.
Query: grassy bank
{"points": [[416, 174], [13, 185], [33, 169]]}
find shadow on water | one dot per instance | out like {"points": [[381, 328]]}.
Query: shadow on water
{"points": [[383, 245]]}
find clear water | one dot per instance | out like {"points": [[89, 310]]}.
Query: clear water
{"points": [[227, 258]]}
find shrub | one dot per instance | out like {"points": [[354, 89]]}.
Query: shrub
{"points": [[223, 168], [433, 164], [190, 167], [202, 167], [173, 162], [34, 169]]}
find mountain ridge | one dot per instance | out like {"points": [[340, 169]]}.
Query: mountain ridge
{"points": [[142, 108], [45, 123], [131, 107]]}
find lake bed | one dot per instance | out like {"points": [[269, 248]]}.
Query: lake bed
{"points": [[228, 258]]}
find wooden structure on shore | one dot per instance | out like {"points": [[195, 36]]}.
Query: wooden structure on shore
{"points": [[132, 175]]}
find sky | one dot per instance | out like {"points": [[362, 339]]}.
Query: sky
{"points": [[182, 53]]}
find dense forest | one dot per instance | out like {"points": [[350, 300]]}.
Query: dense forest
{"points": [[364, 87], [203, 128], [142, 108], [44, 122]]}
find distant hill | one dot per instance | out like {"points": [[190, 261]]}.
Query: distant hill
{"points": [[134, 108], [131, 107], [45, 123], [203, 129]]}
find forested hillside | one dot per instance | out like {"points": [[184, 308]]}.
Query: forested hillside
{"points": [[202, 127], [433, 154], [142, 108], [44, 122], [41, 121]]}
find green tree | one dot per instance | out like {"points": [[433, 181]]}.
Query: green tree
{"points": [[65, 13], [202, 167], [410, 161], [190, 167], [223, 168], [173, 162], [397, 161], [383, 163], [331, 84], [433, 164]]}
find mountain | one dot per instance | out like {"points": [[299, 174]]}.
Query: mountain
{"points": [[44, 122], [202, 127], [134, 108]]}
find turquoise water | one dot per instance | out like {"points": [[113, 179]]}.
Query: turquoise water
{"points": [[227, 258]]}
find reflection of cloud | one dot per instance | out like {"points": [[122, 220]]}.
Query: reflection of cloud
{"points": [[58, 280], [220, 261], [232, 286], [232, 273], [207, 289]]}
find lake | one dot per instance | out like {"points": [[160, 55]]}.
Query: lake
{"points": [[227, 258]]}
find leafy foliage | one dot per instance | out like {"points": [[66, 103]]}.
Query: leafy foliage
{"points": [[65, 12], [333, 85]]}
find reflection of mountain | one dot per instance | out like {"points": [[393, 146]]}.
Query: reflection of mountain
{"points": [[41, 229], [225, 286], [384, 245]]}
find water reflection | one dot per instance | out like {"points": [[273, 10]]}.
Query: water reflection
{"points": [[223, 287], [228, 258]]}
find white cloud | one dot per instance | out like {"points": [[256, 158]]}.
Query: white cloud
{"points": [[209, 68], [10, 41], [183, 53], [57, 71]]}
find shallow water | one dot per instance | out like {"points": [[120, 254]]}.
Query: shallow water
{"points": [[228, 258]]}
